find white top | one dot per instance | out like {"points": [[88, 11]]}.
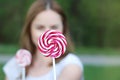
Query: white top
{"points": [[13, 71]]}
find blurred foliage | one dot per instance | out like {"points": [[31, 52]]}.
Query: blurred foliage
{"points": [[100, 19], [8, 49], [97, 51], [2, 76], [101, 73], [12, 16], [92, 22]]}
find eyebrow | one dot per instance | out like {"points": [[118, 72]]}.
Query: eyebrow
{"points": [[54, 25], [43, 25]]}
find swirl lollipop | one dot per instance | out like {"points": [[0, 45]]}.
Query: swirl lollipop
{"points": [[23, 58], [52, 44]]}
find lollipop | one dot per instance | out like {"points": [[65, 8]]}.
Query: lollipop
{"points": [[23, 58], [52, 44]]}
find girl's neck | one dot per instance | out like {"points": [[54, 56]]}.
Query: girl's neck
{"points": [[40, 60]]}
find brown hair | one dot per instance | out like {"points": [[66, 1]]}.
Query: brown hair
{"points": [[37, 7]]}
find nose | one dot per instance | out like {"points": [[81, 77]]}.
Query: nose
{"points": [[47, 28]]}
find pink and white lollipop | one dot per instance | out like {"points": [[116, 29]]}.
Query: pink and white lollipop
{"points": [[52, 43], [23, 57]]}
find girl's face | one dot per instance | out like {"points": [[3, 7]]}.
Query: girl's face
{"points": [[44, 21]]}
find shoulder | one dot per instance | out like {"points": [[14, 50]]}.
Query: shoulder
{"points": [[73, 68], [11, 67], [72, 59], [71, 72]]}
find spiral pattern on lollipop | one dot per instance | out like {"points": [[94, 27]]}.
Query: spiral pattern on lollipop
{"points": [[52, 43], [23, 57]]}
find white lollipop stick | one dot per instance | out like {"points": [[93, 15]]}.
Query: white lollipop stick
{"points": [[54, 69], [23, 73]]}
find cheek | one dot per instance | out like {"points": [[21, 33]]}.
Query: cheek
{"points": [[35, 35], [61, 29]]}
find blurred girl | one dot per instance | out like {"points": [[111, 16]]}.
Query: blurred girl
{"points": [[44, 15]]}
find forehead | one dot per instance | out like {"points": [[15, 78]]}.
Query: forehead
{"points": [[48, 17]]}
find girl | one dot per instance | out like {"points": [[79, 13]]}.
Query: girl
{"points": [[44, 15]]}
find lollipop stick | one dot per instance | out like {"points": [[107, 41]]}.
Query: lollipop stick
{"points": [[54, 69], [23, 73]]}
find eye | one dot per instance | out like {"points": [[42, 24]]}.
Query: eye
{"points": [[40, 27], [54, 27]]}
